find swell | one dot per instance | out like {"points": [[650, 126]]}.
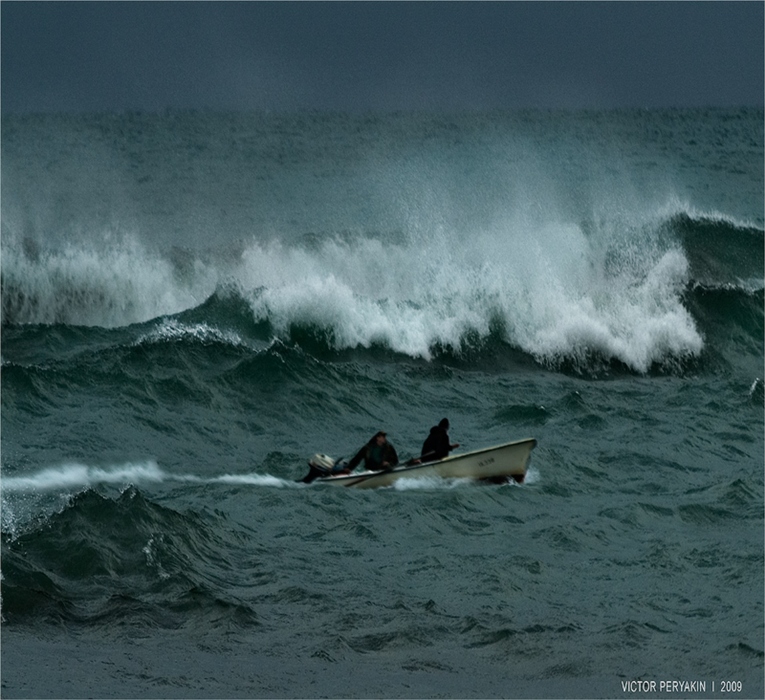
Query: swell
{"points": [[721, 251], [218, 345], [731, 315], [102, 561]]}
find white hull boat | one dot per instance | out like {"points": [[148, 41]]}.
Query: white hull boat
{"points": [[497, 464]]}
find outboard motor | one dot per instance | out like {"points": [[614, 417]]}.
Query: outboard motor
{"points": [[319, 466]]}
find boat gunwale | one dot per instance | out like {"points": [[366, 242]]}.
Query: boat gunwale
{"points": [[354, 479]]}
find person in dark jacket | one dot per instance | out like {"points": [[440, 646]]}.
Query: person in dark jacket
{"points": [[377, 454], [437, 445]]}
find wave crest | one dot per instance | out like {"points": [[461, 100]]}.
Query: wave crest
{"points": [[560, 292], [553, 292]]}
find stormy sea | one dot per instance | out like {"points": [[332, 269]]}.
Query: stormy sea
{"points": [[194, 303]]}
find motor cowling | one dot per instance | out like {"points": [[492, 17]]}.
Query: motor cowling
{"points": [[319, 466], [321, 462]]}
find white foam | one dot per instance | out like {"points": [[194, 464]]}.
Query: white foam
{"points": [[555, 291], [75, 476], [171, 329], [533, 476], [551, 288], [428, 483], [78, 476], [253, 480], [113, 283]]}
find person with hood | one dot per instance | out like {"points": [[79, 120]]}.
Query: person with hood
{"points": [[378, 454], [437, 445]]}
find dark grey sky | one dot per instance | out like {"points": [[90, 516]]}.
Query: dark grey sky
{"points": [[95, 56]]}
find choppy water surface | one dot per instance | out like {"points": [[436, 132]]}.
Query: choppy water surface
{"points": [[193, 304]]}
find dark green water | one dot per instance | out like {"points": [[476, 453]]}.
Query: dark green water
{"points": [[193, 304]]}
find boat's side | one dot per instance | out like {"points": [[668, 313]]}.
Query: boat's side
{"points": [[508, 460]]}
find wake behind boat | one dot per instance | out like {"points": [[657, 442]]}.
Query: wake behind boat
{"points": [[498, 463]]}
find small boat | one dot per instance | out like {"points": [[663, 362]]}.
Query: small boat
{"points": [[496, 464]]}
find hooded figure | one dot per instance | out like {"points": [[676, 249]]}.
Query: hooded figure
{"points": [[436, 445]]}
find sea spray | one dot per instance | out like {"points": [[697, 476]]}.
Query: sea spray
{"points": [[49, 490], [558, 291], [72, 477], [78, 476], [552, 290], [115, 283]]}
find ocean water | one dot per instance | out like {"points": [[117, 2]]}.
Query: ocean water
{"points": [[194, 303]]}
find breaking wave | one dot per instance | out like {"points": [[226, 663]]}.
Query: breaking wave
{"points": [[560, 292]]}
